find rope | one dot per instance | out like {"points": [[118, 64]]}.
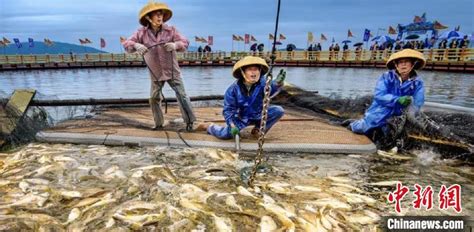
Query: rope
{"points": [[266, 103]]}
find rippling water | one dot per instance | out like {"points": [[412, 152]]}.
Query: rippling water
{"points": [[442, 87], [79, 187]]}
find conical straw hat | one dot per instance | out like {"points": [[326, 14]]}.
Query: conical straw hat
{"points": [[407, 53], [153, 6], [249, 60]]}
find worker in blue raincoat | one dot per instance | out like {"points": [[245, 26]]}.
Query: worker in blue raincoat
{"points": [[397, 89], [243, 100]]}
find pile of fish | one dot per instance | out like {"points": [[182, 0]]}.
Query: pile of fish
{"points": [[58, 187]]}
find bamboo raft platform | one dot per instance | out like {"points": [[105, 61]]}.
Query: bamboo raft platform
{"points": [[296, 132]]}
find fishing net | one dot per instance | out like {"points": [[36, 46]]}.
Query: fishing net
{"points": [[449, 131]]}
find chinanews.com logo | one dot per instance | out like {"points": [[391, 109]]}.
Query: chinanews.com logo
{"points": [[425, 197]]}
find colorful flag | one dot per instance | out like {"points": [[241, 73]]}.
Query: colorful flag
{"points": [[210, 40], [48, 42], [366, 35], [253, 39], [457, 28], [82, 41], [271, 37], [203, 40], [240, 38], [392, 30], [417, 19], [17, 42], [122, 39], [102, 43], [235, 38], [6, 41], [247, 38], [438, 26], [87, 40], [310, 37], [282, 37], [349, 33], [323, 38], [31, 43]]}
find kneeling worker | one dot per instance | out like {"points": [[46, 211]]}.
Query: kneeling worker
{"points": [[243, 100], [395, 90]]}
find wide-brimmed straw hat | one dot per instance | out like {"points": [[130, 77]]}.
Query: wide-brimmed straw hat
{"points": [[153, 6], [247, 61], [407, 53]]}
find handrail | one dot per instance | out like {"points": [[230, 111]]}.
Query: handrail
{"points": [[433, 55]]}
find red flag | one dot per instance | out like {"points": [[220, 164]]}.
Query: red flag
{"points": [[6, 41], [247, 38], [392, 30], [282, 37], [102, 43], [323, 38], [271, 37], [253, 39], [210, 40], [417, 19], [439, 26], [349, 33]]}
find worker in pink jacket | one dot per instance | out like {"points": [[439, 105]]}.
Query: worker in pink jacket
{"points": [[158, 44]]}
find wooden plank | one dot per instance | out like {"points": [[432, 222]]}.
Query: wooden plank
{"points": [[15, 109]]}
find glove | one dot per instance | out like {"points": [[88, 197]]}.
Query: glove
{"points": [[281, 77], [141, 49], [234, 131], [404, 100], [170, 47]]}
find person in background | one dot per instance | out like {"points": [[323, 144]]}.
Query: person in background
{"points": [[396, 90], [243, 100], [157, 43]]}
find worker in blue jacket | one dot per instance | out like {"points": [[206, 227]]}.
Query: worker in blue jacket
{"points": [[243, 100], [397, 89]]}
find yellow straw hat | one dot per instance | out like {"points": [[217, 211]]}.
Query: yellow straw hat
{"points": [[153, 6], [246, 61], [407, 53]]}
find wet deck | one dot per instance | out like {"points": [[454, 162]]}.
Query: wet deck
{"points": [[296, 132]]}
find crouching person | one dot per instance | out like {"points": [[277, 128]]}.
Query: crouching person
{"points": [[243, 100], [398, 91]]}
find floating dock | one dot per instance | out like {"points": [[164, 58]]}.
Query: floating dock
{"points": [[296, 132]]}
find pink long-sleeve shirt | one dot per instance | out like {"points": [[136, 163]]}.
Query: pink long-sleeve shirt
{"points": [[163, 64]]}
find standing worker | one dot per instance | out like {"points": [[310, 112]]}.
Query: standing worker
{"points": [[158, 43]]}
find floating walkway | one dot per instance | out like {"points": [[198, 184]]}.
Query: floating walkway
{"points": [[451, 60], [296, 132]]}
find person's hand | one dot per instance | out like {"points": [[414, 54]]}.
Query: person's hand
{"points": [[280, 79], [170, 47], [404, 100], [234, 131], [141, 49]]}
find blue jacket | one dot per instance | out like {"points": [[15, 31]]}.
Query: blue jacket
{"points": [[385, 105], [241, 107]]}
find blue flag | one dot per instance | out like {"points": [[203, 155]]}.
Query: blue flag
{"points": [[366, 35], [17, 42], [31, 43]]}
